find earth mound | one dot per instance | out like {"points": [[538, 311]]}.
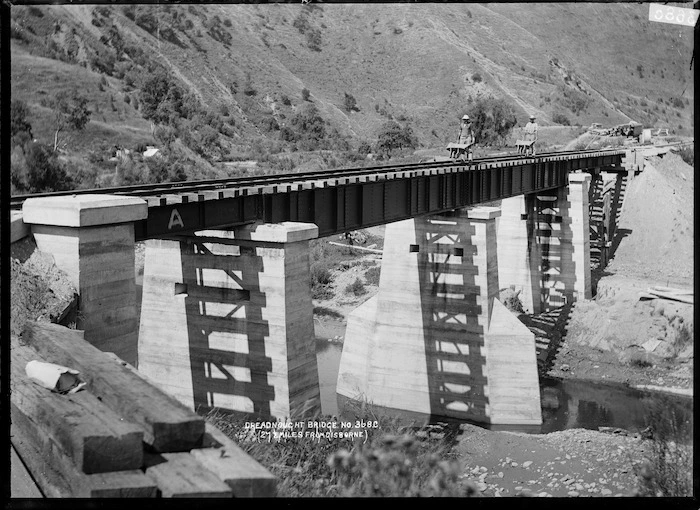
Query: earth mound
{"points": [[657, 224]]}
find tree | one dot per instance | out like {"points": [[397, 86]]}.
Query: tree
{"points": [[162, 100], [394, 137], [309, 127], [492, 120], [70, 113], [305, 94]]}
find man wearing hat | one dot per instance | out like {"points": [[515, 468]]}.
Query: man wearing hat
{"points": [[531, 132], [466, 134]]}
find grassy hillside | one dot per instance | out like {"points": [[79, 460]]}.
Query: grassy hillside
{"points": [[419, 64]]}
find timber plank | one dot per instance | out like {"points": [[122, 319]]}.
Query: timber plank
{"points": [[57, 476], [167, 424], [92, 435], [223, 457], [180, 475]]}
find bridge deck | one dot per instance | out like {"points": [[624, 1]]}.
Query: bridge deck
{"points": [[349, 202]]}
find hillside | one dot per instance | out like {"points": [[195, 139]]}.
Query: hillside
{"points": [[418, 64]]}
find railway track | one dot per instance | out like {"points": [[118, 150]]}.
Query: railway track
{"points": [[255, 184]]}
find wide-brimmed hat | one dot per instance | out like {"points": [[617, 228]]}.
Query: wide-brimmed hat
{"points": [[466, 117], [532, 116]]}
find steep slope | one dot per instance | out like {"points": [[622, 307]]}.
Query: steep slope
{"points": [[418, 63]]}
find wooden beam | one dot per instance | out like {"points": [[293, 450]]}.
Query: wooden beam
{"points": [[223, 457], [180, 475], [92, 435], [57, 476], [167, 424]]}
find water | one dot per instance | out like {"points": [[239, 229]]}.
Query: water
{"points": [[565, 404]]}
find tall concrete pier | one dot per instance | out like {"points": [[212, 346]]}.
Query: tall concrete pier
{"points": [[227, 320], [91, 238], [435, 339], [544, 245]]}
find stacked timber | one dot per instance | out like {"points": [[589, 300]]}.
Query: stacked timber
{"points": [[119, 436]]}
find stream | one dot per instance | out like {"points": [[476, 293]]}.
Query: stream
{"points": [[566, 404]]}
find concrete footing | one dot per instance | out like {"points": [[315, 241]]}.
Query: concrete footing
{"points": [[227, 320], [91, 238], [435, 339]]}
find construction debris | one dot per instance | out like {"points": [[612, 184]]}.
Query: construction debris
{"points": [[684, 296]]}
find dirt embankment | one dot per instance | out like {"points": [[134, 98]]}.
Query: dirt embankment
{"points": [[617, 336]]}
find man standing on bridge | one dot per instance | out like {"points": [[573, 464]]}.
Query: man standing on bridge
{"points": [[531, 133], [466, 135]]}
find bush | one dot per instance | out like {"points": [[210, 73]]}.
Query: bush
{"points": [[349, 103], [372, 275], [687, 154], [356, 288], [44, 172], [301, 23], [305, 94], [668, 470], [313, 39], [559, 118], [20, 128], [321, 280], [476, 77]]}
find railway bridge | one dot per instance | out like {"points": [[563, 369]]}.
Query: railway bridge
{"points": [[226, 317]]}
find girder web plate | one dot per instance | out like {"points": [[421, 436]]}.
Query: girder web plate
{"points": [[339, 205]]}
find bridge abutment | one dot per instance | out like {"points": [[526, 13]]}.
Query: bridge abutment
{"points": [[227, 320], [91, 238], [435, 339]]}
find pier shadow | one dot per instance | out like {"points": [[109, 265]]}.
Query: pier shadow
{"points": [[229, 364], [552, 267], [549, 329], [605, 206], [599, 222], [454, 339]]}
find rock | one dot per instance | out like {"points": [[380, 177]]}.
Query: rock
{"points": [[573, 494], [500, 474], [605, 492], [527, 464], [565, 367]]}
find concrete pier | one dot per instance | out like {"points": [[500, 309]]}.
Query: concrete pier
{"points": [[227, 320], [544, 246], [435, 339], [91, 238]]}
